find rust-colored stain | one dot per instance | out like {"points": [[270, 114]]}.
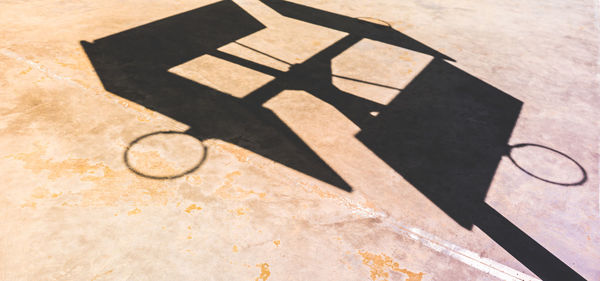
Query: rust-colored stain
{"points": [[152, 162], [235, 249], [229, 191], [192, 207], [29, 204], [264, 272], [40, 192], [109, 186], [26, 70], [277, 242], [229, 178], [239, 153], [35, 162], [406, 57], [78, 65], [315, 189], [381, 265], [368, 204], [134, 212]]}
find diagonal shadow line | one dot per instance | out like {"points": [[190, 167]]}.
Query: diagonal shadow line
{"points": [[366, 82], [262, 53], [229, 57], [522, 247]]}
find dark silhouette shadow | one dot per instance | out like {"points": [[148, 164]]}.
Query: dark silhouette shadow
{"points": [[134, 64], [445, 132]]}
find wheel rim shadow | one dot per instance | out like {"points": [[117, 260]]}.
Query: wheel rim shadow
{"points": [[131, 167], [520, 145]]}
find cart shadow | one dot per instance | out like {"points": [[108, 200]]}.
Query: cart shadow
{"points": [[445, 133]]}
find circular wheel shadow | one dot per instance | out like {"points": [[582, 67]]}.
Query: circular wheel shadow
{"points": [[521, 145], [126, 157]]}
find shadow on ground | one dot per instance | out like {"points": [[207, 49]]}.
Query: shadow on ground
{"points": [[445, 133]]}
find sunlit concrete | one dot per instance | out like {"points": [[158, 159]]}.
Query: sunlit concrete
{"points": [[96, 186]]}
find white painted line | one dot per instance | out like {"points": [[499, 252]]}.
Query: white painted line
{"points": [[465, 256], [40, 67]]}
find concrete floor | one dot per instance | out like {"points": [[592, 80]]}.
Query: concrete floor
{"points": [[306, 140]]}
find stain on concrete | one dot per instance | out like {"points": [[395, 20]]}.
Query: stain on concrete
{"points": [[52, 96], [381, 265], [108, 185], [264, 272], [192, 207], [134, 212], [230, 191]]}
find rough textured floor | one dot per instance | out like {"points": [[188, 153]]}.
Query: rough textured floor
{"points": [[306, 140]]}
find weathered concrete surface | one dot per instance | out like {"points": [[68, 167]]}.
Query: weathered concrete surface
{"points": [[73, 210]]}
